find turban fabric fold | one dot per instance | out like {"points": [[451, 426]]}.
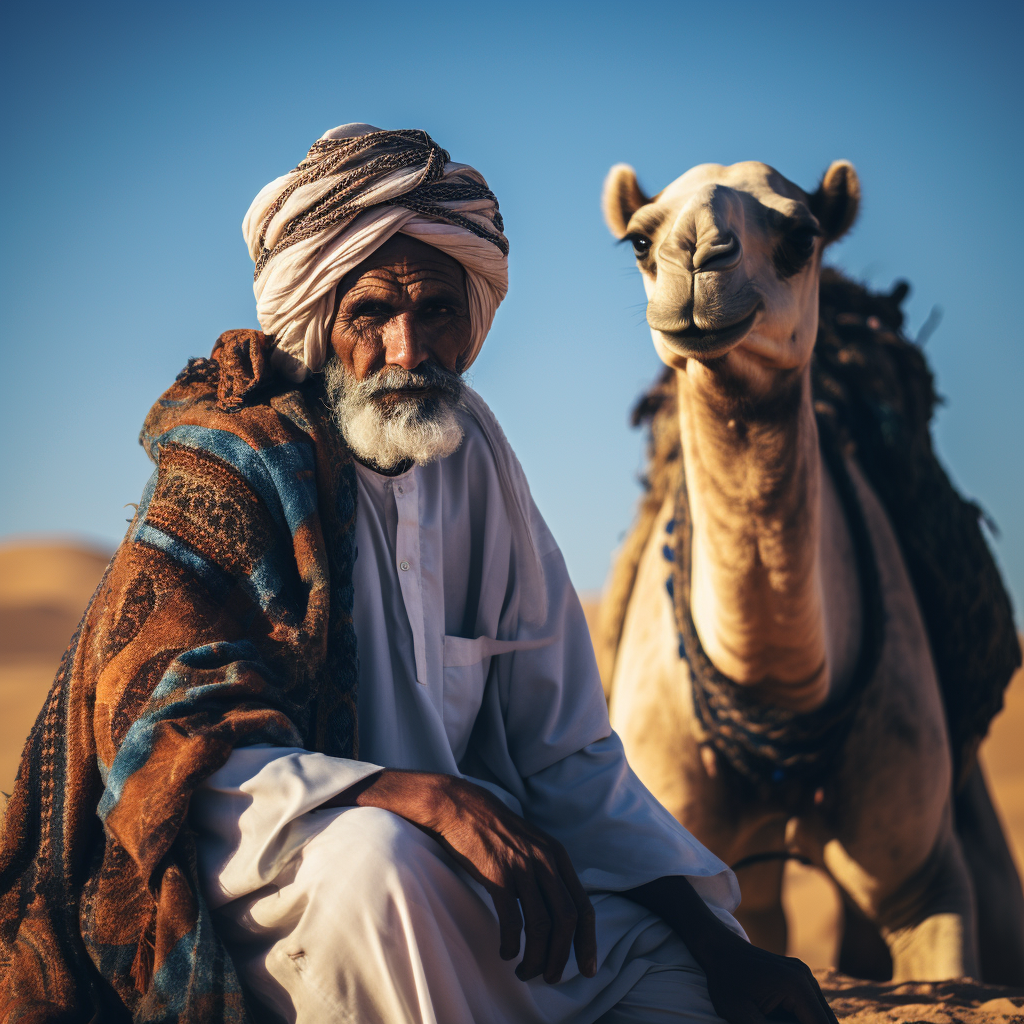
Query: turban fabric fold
{"points": [[357, 187]]}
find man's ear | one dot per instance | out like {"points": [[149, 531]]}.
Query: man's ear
{"points": [[837, 200], [621, 198]]}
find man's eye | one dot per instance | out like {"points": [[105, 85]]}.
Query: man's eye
{"points": [[369, 310], [437, 310], [641, 245]]}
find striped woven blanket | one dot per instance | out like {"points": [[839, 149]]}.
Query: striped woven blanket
{"points": [[224, 618]]}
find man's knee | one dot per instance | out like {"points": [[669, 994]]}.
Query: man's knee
{"points": [[366, 856]]}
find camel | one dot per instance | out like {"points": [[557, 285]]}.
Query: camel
{"points": [[765, 575]]}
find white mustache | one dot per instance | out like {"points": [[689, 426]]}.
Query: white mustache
{"points": [[396, 378], [422, 429]]}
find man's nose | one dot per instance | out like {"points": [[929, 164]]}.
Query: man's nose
{"points": [[403, 342]]}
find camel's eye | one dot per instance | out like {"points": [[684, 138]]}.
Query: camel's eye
{"points": [[641, 245], [794, 249]]}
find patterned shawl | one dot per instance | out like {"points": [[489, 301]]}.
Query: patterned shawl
{"points": [[238, 564]]}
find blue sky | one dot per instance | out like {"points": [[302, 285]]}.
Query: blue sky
{"points": [[136, 135]]}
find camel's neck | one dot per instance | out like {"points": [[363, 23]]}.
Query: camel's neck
{"points": [[754, 478]]}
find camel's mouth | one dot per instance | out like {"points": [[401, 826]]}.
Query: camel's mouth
{"points": [[693, 342]]}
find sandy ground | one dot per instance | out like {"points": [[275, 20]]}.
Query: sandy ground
{"points": [[44, 588], [947, 1002]]}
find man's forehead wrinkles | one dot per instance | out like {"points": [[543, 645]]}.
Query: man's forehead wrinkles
{"points": [[384, 284], [409, 275]]}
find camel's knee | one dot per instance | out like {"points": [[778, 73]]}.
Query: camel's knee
{"points": [[924, 910], [929, 922], [940, 885]]}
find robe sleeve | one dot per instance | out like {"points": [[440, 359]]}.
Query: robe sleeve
{"points": [[617, 835], [254, 815]]}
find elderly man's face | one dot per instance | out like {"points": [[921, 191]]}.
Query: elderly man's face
{"points": [[400, 335], [403, 306]]}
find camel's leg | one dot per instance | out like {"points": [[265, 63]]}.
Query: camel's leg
{"points": [[997, 887], [760, 910], [862, 952], [930, 924], [890, 808], [928, 918]]}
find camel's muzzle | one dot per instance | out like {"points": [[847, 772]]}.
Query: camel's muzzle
{"points": [[694, 342]]}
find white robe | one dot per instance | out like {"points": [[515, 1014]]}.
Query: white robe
{"points": [[353, 914]]}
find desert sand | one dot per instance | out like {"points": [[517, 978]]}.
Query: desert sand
{"points": [[45, 586]]}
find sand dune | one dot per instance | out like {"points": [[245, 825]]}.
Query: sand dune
{"points": [[44, 587]]}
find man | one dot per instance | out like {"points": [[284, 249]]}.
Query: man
{"points": [[330, 743]]}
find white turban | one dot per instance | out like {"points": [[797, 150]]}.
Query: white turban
{"points": [[356, 188]]}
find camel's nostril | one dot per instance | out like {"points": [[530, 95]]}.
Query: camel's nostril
{"points": [[723, 253]]}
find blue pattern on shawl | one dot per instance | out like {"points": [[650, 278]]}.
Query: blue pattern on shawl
{"points": [[282, 475]]}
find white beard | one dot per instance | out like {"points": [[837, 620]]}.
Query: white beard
{"points": [[417, 429]]}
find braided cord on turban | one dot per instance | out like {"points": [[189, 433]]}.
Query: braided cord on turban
{"points": [[356, 188]]}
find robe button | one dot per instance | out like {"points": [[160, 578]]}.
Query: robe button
{"points": [[404, 566]]}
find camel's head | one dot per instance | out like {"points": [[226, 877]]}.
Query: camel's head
{"points": [[730, 257]]}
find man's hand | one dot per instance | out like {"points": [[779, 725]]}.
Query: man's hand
{"points": [[518, 864], [750, 984], [746, 984]]}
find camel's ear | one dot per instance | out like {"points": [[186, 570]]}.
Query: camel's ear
{"points": [[621, 198], [837, 200]]}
